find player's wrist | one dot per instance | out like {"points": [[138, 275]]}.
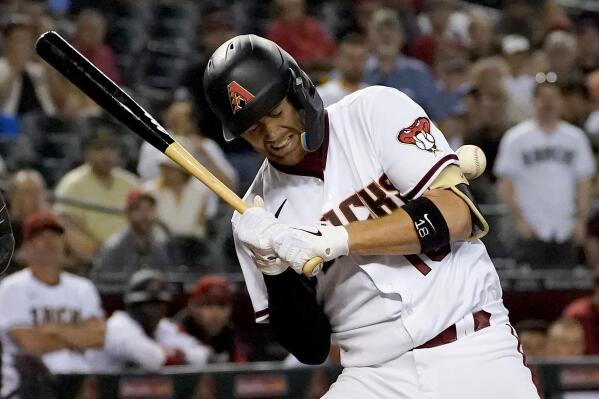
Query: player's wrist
{"points": [[338, 239]]}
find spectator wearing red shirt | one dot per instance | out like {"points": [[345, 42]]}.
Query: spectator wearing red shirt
{"points": [[586, 312], [89, 40], [207, 317], [300, 35]]}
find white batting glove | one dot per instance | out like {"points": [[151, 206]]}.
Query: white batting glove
{"points": [[255, 228], [299, 244]]}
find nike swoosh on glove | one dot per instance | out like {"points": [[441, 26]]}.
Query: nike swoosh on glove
{"points": [[254, 229], [299, 244]]}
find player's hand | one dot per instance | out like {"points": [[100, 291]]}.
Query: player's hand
{"points": [[255, 229], [299, 244]]}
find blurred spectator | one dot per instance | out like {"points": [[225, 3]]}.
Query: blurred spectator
{"points": [[44, 311], [586, 312], [349, 68], [559, 56], [207, 317], [591, 126], [216, 28], [27, 195], [519, 83], [453, 85], [178, 119], [362, 13], [387, 67], [25, 85], [587, 35], [141, 336], [183, 203], [89, 40], [85, 192], [517, 18], [430, 46], [533, 337], [554, 18], [483, 41], [545, 166], [300, 35], [74, 103], [577, 102], [37, 13], [488, 105], [565, 338], [139, 246]]}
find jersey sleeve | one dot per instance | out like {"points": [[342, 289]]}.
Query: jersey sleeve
{"points": [[412, 150], [14, 310], [92, 304], [171, 336], [128, 341], [509, 160], [254, 280], [585, 162]]}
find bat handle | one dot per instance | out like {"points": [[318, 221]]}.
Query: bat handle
{"points": [[313, 266]]}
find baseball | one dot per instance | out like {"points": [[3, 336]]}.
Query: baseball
{"points": [[472, 161]]}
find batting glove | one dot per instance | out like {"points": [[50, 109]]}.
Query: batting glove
{"points": [[254, 229], [298, 244]]}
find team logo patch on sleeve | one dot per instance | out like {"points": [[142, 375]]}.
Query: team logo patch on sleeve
{"points": [[238, 96], [419, 134]]}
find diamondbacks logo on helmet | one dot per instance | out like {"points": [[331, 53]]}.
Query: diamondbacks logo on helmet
{"points": [[419, 134], [238, 96]]}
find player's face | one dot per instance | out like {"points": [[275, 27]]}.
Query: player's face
{"points": [[351, 60], [213, 317], [277, 136], [142, 217], [548, 102]]}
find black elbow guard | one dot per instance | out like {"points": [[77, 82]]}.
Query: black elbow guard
{"points": [[298, 322]]}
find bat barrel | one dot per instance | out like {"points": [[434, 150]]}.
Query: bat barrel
{"points": [[70, 63]]}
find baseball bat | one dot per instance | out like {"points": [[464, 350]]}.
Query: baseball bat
{"points": [[57, 52]]}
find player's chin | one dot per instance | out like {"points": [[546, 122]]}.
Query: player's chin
{"points": [[290, 157]]}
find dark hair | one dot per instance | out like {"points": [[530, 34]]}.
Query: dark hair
{"points": [[353, 38]]}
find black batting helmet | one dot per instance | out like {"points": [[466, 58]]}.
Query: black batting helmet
{"points": [[147, 286], [248, 76]]}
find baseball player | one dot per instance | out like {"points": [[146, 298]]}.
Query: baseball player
{"points": [[141, 336], [370, 185], [45, 312]]}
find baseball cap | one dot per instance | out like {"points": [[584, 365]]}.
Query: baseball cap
{"points": [[40, 221], [135, 195], [211, 290], [514, 44]]}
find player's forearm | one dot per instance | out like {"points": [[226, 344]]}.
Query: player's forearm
{"points": [[84, 335], [583, 200], [33, 340], [506, 192], [395, 233]]}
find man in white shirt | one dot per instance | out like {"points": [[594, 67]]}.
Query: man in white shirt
{"points": [[44, 311], [545, 166], [349, 61], [141, 337]]}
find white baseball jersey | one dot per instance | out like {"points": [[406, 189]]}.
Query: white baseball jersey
{"points": [[126, 344], [25, 301], [545, 168], [382, 152]]}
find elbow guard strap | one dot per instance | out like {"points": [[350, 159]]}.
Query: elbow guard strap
{"points": [[431, 227]]}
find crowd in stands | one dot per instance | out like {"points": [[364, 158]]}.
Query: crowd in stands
{"points": [[90, 203]]}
